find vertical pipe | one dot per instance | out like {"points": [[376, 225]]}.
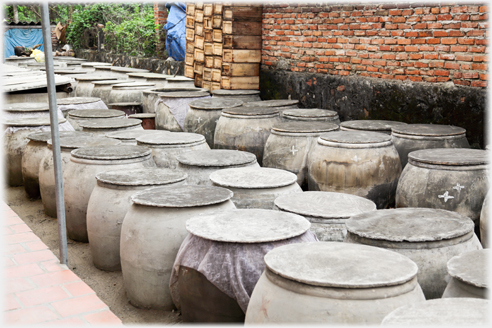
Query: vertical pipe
{"points": [[55, 135]]}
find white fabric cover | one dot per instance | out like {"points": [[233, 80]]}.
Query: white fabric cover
{"points": [[93, 105], [234, 268], [178, 107]]}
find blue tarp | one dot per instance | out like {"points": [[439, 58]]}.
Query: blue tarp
{"points": [[176, 30], [21, 37]]}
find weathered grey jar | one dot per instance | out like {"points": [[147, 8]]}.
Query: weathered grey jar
{"points": [[79, 179], [243, 95], [199, 164], [358, 284], [171, 108], [203, 115], [36, 149], [47, 187], [72, 103], [15, 111], [128, 92], [484, 221], [121, 72], [90, 66], [361, 163], [129, 137], [245, 128], [411, 137], [103, 88], [110, 200], [15, 141], [441, 312], [105, 125], [85, 85], [256, 187], [449, 179], [104, 71], [289, 144], [152, 232], [166, 146], [382, 126], [469, 275], [280, 104], [205, 285], [179, 82], [310, 114], [151, 96], [327, 211], [160, 80], [428, 237], [91, 114]]}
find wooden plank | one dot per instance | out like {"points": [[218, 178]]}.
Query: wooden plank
{"points": [[189, 71], [218, 9], [190, 9], [252, 42], [199, 55], [189, 59], [199, 41], [241, 28], [215, 86], [207, 85], [207, 74], [207, 23], [240, 83], [199, 29], [241, 56], [209, 61], [218, 62], [243, 13], [208, 9], [208, 48], [190, 21], [199, 5], [190, 47], [199, 16], [227, 27], [240, 69], [217, 21], [198, 68], [198, 81], [216, 75], [217, 35], [190, 34], [217, 49], [209, 36], [227, 13]]}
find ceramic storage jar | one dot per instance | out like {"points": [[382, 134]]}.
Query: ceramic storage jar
{"points": [[443, 312], [203, 115], [256, 187], [361, 163], [166, 146], [129, 137], [332, 283], [484, 221], [245, 128], [469, 275], [327, 211], [106, 125], [411, 137], [179, 82], [449, 179], [30, 109], [310, 114], [128, 92], [205, 284], [280, 104], [151, 96], [199, 164], [68, 104], [243, 95], [428, 237], [102, 89], [85, 85], [171, 108], [152, 232], [47, 187], [79, 179], [91, 114], [289, 144], [382, 126], [108, 204]]}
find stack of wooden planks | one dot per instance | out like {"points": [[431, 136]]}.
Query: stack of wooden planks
{"points": [[223, 45]]}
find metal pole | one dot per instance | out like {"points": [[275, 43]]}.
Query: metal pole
{"points": [[55, 135]]}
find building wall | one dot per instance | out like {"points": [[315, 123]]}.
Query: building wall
{"points": [[160, 18]]}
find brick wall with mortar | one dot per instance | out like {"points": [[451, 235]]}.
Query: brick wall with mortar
{"points": [[423, 42], [160, 19]]}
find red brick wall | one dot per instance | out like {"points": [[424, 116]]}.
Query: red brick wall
{"points": [[413, 42], [160, 18]]}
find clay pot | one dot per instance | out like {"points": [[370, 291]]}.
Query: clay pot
{"points": [[382, 126], [360, 163], [106, 125], [68, 104], [245, 128], [108, 204], [179, 82], [280, 104], [79, 179], [171, 109], [203, 115], [102, 89], [128, 92], [289, 144], [256, 187], [484, 222], [91, 114], [243, 95], [85, 85], [359, 284], [426, 236], [310, 114], [151, 96], [151, 234], [129, 137]]}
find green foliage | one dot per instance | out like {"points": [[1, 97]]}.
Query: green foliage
{"points": [[58, 13]]}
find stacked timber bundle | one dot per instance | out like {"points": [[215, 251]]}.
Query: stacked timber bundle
{"points": [[223, 45]]}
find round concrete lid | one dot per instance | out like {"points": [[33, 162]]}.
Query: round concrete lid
{"points": [[450, 156], [176, 89], [132, 134], [77, 100], [324, 204], [93, 77], [46, 135], [110, 123], [92, 64], [150, 75], [371, 125], [247, 226], [180, 79], [96, 113], [110, 82], [149, 176], [355, 137], [103, 68], [133, 85], [253, 178], [142, 115], [31, 121], [216, 158], [182, 196], [410, 225], [272, 103], [69, 58], [441, 312], [79, 141], [223, 92], [26, 107], [129, 70], [67, 71], [340, 265], [171, 138], [471, 267], [125, 104], [251, 111], [183, 94], [428, 130], [304, 127], [111, 152], [214, 103], [310, 112]]}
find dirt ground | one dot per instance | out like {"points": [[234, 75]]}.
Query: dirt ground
{"points": [[107, 285]]}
